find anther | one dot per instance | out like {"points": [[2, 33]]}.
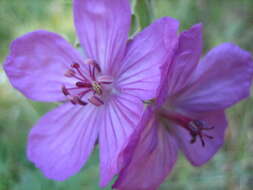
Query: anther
{"points": [[97, 67], [70, 73], [75, 65], [93, 63], [96, 101], [78, 100], [83, 85], [196, 128], [65, 90], [71, 99]]}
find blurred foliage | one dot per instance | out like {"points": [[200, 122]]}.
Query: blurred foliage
{"points": [[224, 20]]}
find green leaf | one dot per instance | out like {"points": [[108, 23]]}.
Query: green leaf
{"points": [[143, 12], [134, 25]]}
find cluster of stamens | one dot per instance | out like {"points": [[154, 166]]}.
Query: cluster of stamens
{"points": [[195, 127], [86, 84]]}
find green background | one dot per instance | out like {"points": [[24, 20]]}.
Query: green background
{"points": [[224, 20]]}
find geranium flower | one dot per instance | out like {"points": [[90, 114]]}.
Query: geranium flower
{"points": [[188, 114], [103, 93]]}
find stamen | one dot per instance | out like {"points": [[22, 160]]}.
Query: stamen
{"points": [[93, 63], [70, 73], [105, 79], [64, 90], [83, 85], [77, 67], [96, 66], [71, 99], [79, 101], [92, 74], [96, 101], [194, 127], [83, 93]]}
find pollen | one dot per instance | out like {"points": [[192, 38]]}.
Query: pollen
{"points": [[97, 88]]}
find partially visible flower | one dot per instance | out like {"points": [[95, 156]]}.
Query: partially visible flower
{"points": [[188, 113], [103, 93]]}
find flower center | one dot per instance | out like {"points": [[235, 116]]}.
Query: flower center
{"points": [[195, 127], [88, 86], [97, 87]]}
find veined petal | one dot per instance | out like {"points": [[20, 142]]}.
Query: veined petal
{"points": [[149, 156], [140, 73], [62, 140], [118, 120], [102, 27], [37, 63], [186, 58], [221, 79], [196, 153]]}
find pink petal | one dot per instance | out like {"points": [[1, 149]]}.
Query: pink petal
{"points": [[37, 63], [149, 156], [62, 140], [118, 120], [186, 58], [146, 54], [102, 27], [196, 153], [221, 79]]}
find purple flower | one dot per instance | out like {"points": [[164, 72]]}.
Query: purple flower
{"points": [[188, 114], [102, 94]]}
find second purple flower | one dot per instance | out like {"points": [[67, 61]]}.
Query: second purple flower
{"points": [[189, 112]]}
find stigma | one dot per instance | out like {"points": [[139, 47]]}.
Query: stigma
{"points": [[88, 86]]}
